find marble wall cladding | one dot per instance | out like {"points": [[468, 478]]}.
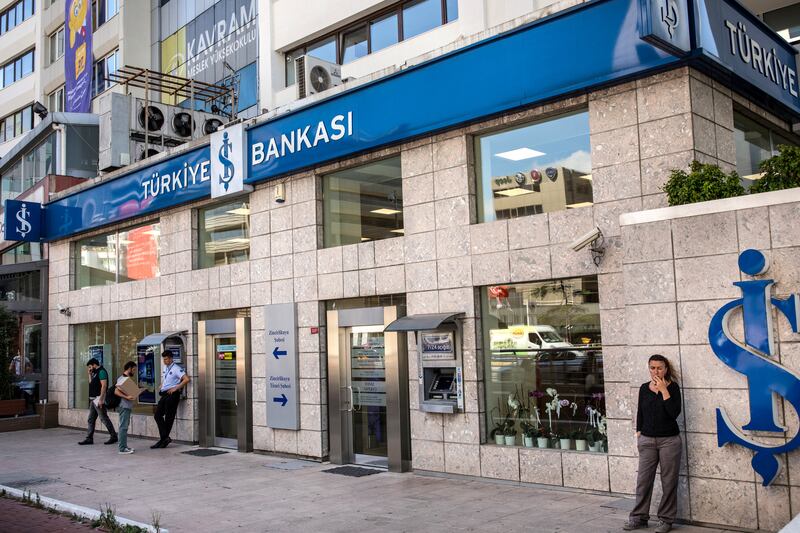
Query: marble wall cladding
{"points": [[585, 470], [540, 466], [500, 462]]}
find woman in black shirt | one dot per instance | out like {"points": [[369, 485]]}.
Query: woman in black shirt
{"points": [[659, 442]]}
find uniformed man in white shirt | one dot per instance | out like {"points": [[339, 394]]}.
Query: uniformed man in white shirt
{"points": [[173, 379]]}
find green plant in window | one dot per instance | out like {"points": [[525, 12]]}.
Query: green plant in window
{"points": [[8, 335], [702, 183], [781, 171]]}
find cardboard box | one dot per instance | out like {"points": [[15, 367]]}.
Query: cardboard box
{"points": [[130, 388]]}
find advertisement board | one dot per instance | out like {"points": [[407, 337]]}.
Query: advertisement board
{"points": [[78, 56]]}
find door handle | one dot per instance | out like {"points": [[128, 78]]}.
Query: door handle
{"points": [[236, 396], [359, 400], [348, 399]]}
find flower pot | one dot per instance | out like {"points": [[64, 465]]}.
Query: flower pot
{"points": [[597, 446], [511, 440], [581, 445], [528, 442], [543, 442], [565, 443], [500, 439]]}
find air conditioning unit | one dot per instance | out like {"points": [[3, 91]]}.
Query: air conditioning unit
{"points": [[315, 75], [211, 124], [182, 123], [151, 118], [140, 151]]}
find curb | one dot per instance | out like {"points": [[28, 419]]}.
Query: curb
{"points": [[83, 512]]}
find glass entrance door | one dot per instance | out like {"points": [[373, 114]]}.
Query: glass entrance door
{"points": [[367, 369], [225, 400]]}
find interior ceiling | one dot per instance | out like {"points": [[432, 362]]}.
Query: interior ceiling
{"points": [[762, 6]]}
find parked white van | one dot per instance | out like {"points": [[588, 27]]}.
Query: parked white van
{"points": [[526, 338]]}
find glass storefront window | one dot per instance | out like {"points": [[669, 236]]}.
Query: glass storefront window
{"points": [[112, 343], [544, 367], [363, 203], [755, 143], [537, 168], [21, 288], [224, 234], [128, 255]]}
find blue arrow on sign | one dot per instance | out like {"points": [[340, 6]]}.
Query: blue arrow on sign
{"points": [[282, 399], [278, 353]]}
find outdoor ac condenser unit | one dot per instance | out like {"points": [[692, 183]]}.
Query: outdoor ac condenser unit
{"points": [[315, 75]]}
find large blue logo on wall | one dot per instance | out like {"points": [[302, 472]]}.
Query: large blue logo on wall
{"points": [[765, 377]]}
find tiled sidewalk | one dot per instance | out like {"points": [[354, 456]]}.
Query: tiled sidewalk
{"points": [[254, 492]]}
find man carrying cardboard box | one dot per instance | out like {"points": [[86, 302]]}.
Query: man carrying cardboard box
{"points": [[129, 391]]}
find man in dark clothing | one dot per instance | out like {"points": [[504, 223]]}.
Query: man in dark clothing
{"points": [[98, 385]]}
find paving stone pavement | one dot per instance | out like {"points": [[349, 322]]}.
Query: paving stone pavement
{"points": [[256, 492], [16, 517]]}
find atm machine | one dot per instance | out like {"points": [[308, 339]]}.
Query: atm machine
{"points": [[441, 380], [148, 355]]}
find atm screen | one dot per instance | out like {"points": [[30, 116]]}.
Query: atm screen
{"points": [[442, 383]]}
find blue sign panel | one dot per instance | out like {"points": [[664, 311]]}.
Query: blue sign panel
{"points": [[23, 221], [732, 36], [665, 23], [153, 188], [78, 56], [569, 51], [766, 378]]}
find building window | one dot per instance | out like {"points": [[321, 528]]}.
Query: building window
{"points": [[127, 255], [363, 203], [755, 142], [16, 69], [224, 234], [366, 36], [26, 252], [55, 100], [29, 170], [103, 68], [55, 45], [785, 21], [16, 124], [111, 343], [537, 168], [103, 11], [544, 367], [16, 15]]}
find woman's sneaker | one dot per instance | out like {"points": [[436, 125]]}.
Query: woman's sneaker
{"points": [[630, 525], [126, 451], [664, 527]]}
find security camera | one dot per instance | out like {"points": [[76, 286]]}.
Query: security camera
{"points": [[63, 310], [280, 193], [586, 239]]}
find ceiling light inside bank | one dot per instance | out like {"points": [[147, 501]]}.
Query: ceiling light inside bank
{"points": [[520, 154]]}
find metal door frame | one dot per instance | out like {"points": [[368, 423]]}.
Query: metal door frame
{"points": [[207, 330], [340, 393]]}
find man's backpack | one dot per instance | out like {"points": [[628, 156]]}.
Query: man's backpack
{"points": [[112, 400]]}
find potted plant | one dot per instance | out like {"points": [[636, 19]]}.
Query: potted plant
{"points": [[9, 406], [510, 436], [581, 441], [542, 438], [528, 433], [564, 441], [497, 433]]}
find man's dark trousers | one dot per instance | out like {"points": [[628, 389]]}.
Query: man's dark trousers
{"points": [[166, 410]]}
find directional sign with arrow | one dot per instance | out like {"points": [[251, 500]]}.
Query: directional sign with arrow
{"points": [[282, 399], [282, 366]]}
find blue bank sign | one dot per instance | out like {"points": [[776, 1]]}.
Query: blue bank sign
{"points": [[740, 42], [766, 378], [603, 42], [22, 221]]}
